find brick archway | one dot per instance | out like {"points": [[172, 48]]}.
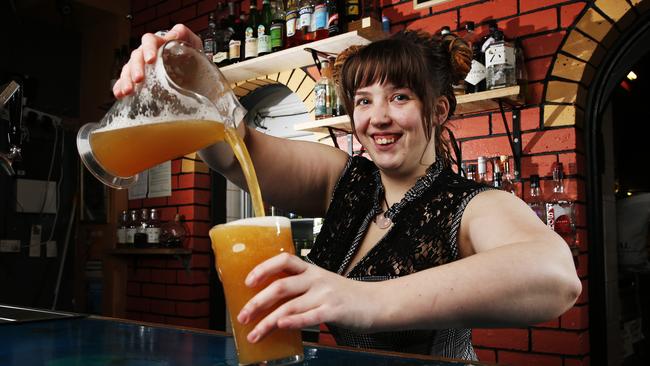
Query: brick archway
{"points": [[582, 51]]}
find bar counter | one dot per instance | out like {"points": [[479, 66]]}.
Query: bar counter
{"points": [[93, 340]]}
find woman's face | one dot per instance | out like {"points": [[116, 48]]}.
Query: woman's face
{"points": [[388, 123]]}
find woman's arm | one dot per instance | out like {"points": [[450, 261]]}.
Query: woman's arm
{"points": [[515, 272]]}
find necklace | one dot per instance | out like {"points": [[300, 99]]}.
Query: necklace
{"points": [[381, 220]]}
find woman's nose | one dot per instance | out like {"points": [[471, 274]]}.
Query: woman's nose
{"points": [[379, 114]]}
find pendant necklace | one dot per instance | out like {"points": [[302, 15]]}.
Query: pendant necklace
{"points": [[381, 220]]}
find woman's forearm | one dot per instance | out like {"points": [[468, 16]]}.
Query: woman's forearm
{"points": [[512, 285]]}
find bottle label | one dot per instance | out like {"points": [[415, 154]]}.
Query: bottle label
{"points": [[476, 74], [153, 234], [219, 57], [353, 7], [500, 54], [276, 35], [234, 49], [320, 13], [209, 46], [304, 252], [305, 16], [250, 44], [140, 229], [292, 17], [263, 40], [322, 106], [559, 217], [121, 235], [130, 235], [333, 24]]}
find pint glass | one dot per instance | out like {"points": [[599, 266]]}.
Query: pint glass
{"points": [[238, 247]]}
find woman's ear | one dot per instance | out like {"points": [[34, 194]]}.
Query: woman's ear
{"points": [[441, 108]]}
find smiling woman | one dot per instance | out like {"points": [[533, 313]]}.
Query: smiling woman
{"points": [[403, 231]]}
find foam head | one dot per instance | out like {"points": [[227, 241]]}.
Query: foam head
{"points": [[271, 221]]}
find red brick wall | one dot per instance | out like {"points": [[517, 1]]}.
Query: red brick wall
{"points": [[541, 25], [159, 289]]}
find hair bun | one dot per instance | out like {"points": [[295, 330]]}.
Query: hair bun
{"points": [[340, 60], [460, 54]]}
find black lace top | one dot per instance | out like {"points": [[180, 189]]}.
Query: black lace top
{"points": [[424, 235]]}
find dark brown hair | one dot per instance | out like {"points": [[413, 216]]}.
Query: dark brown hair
{"points": [[426, 64]]}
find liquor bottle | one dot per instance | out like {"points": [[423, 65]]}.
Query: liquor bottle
{"points": [[334, 18], [264, 30], [153, 228], [278, 26], [132, 227], [172, 233], [306, 12], [320, 20], [324, 94], [352, 12], [497, 180], [507, 182], [226, 30], [560, 213], [471, 172], [500, 63], [475, 79], [236, 39], [122, 223], [482, 170], [210, 38], [140, 237], [536, 202], [385, 23], [294, 34], [250, 33]]}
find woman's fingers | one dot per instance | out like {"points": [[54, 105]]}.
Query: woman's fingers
{"points": [[179, 31], [269, 296], [137, 65], [293, 314], [281, 263]]}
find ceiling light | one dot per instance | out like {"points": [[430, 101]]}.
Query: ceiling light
{"points": [[631, 75]]}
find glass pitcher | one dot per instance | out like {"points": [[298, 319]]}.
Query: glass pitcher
{"points": [[181, 106]]}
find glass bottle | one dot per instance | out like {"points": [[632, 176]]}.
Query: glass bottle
{"points": [[226, 30], [334, 18], [153, 228], [471, 172], [278, 26], [250, 33], [122, 223], [536, 202], [352, 12], [507, 182], [475, 79], [482, 170], [172, 233], [134, 222], [320, 20], [140, 237], [237, 38], [500, 63], [294, 34], [210, 38], [497, 180], [264, 30], [306, 12], [324, 94], [560, 213]]}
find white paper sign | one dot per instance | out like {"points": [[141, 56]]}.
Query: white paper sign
{"points": [[160, 180], [139, 189]]}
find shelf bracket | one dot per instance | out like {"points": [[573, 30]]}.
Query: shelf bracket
{"points": [[333, 137], [514, 138]]}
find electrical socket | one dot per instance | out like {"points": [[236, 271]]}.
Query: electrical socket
{"points": [[9, 246]]}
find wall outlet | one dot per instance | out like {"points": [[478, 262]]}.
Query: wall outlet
{"points": [[51, 249], [9, 246], [35, 241]]}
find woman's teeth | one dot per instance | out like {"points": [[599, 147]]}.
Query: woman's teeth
{"points": [[384, 140]]}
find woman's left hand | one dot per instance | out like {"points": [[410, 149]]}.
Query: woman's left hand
{"points": [[315, 296]]}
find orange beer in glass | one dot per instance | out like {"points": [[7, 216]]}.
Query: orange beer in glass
{"points": [[238, 247]]}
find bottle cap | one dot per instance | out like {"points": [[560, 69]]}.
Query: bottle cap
{"points": [[445, 30], [558, 171], [470, 26]]}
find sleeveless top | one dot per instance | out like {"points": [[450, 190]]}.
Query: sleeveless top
{"points": [[424, 234]]}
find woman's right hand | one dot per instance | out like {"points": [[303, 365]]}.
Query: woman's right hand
{"points": [[133, 71]]}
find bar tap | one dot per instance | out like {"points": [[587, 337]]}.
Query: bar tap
{"points": [[11, 97]]}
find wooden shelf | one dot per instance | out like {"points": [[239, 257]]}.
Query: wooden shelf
{"points": [[466, 104], [487, 100], [296, 57], [150, 251], [321, 125]]}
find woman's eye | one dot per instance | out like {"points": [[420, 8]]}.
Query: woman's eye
{"points": [[401, 97], [361, 101]]}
